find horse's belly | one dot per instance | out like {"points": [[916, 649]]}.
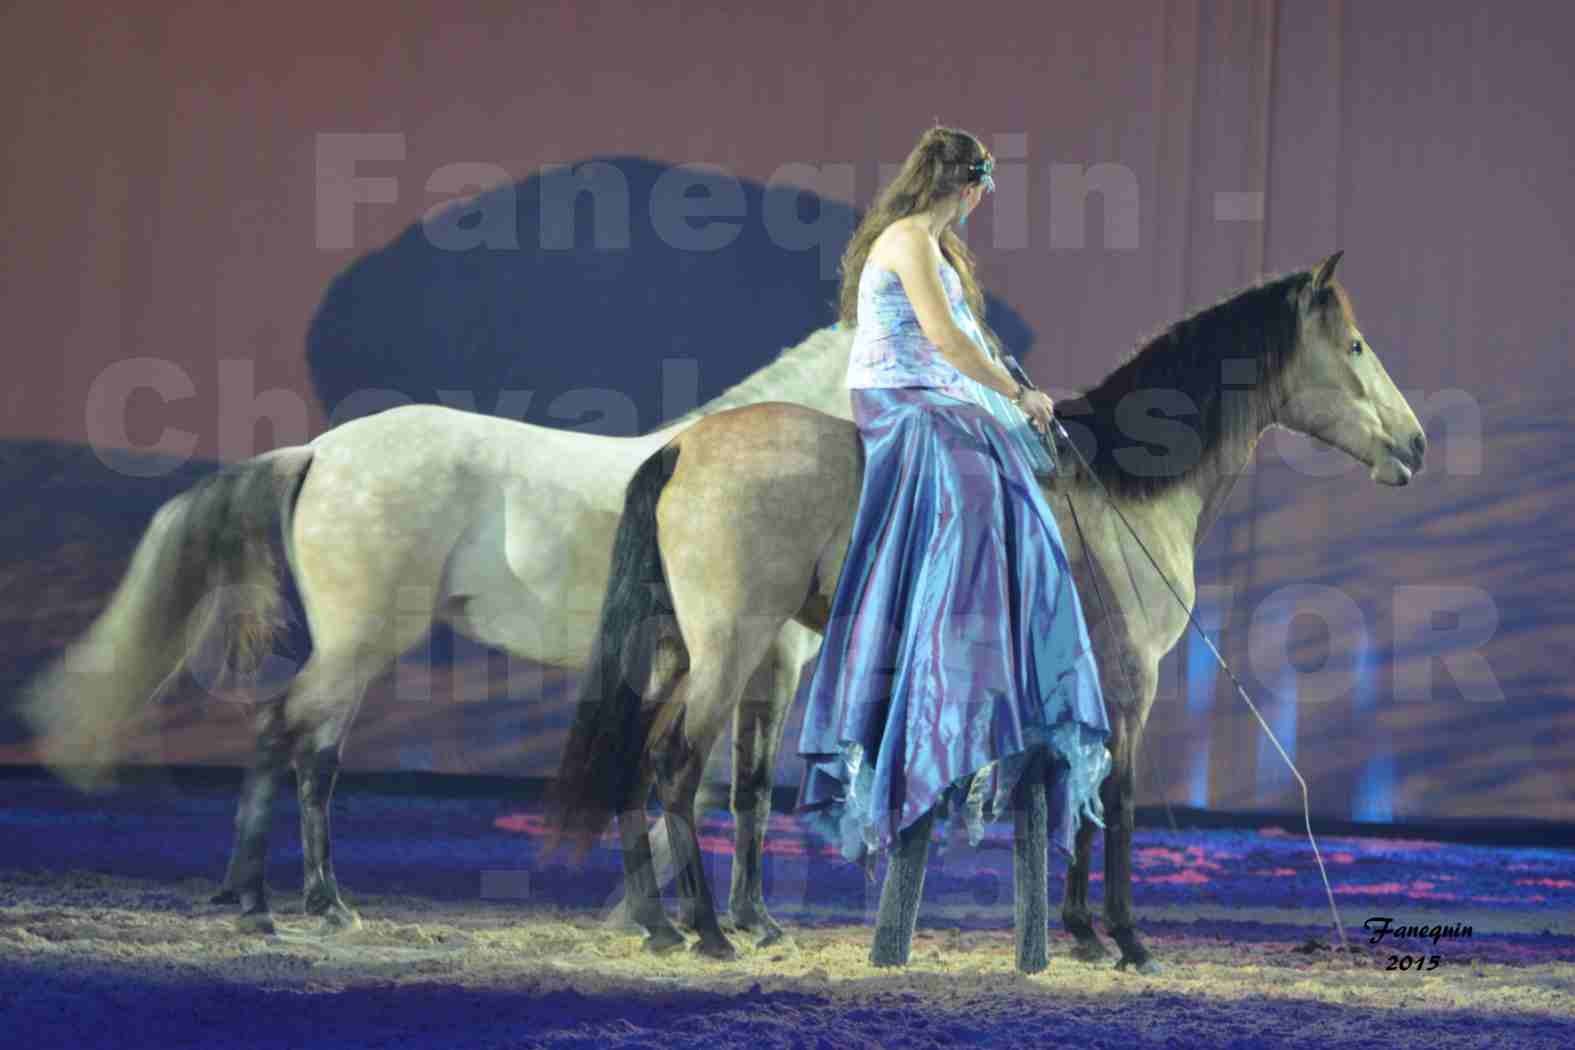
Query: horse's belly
{"points": [[526, 627]]}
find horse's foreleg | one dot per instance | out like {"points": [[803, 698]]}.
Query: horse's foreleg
{"points": [[900, 894], [1031, 895], [245, 879], [1120, 799], [1075, 913]]}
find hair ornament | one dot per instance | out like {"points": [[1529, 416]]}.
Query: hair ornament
{"points": [[984, 171]]}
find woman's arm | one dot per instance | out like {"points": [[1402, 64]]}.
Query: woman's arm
{"points": [[917, 260]]}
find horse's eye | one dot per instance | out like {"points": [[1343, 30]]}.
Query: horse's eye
{"points": [[1356, 346]]}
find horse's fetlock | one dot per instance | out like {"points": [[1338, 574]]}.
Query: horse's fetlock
{"points": [[752, 795]]}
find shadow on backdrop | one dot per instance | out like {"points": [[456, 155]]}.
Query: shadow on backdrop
{"points": [[570, 298]]}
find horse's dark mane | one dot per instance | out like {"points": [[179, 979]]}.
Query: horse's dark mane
{"points": [[1256, 327]]}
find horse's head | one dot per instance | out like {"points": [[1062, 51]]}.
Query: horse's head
{"points": [[1338, 391]]}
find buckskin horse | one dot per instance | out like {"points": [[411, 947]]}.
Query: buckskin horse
{"points": [[741, 522]]}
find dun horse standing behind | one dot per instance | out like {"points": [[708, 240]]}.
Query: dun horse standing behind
{"points": [[745, 519]]}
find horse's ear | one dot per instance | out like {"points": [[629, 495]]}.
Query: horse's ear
{"points": [[1326, 271]]}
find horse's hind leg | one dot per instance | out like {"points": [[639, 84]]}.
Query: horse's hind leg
{"points": [[642, 900], [315, 772], [322, 704], [245, 880], [678, 783], [757, 737], [900, 894], [1030, 843], [681, 739]]}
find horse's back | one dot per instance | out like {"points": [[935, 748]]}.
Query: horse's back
{"points": [[432, 437], [774, 436]]}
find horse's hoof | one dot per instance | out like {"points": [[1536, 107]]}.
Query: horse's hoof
{"points": [[718, 948], [755, 920], [747, 916], [1148, 967], [619, 919], [660, 942], [1089, 951], [339, 919], [260, 922]]}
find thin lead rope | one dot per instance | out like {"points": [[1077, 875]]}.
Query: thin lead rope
{"points": [[1339, 927], [1105, 607]]}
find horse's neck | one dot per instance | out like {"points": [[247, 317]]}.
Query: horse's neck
{"points": [[1192, 506], [1213, 482]]}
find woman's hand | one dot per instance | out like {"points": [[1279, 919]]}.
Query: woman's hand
{"points": [[1038, 407]]}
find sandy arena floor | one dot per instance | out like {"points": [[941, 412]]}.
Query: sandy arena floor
{"points": [[107, 939]]}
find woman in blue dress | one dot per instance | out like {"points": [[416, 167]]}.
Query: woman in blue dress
{"points": [[956, 665]]}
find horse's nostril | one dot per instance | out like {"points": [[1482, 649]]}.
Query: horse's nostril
{"points": [[1419, 446]]}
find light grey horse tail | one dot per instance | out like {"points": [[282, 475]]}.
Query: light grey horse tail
{"points": [[206, 562], [600, 770]]}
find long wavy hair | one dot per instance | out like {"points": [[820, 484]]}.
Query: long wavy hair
{"points": [[941, 164]]}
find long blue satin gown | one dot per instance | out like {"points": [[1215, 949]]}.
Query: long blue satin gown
{"points": [[956, 645]]}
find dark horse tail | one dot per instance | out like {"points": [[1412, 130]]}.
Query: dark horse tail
{"points": [[204, 572], [600, 771]]}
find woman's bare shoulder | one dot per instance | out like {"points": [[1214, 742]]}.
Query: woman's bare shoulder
{"points": [[902, 244]]}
